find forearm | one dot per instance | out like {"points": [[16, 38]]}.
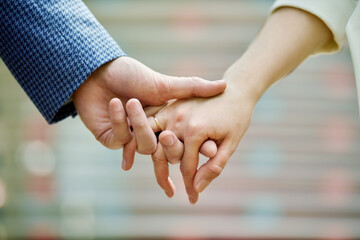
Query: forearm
{"points": [[288, 37], [51, 48]]}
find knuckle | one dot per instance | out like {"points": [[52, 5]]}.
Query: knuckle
{"points": [[139, 124], [173, 161], [185, 171], [157, 158], [163, 87], [119, 120], [193, 84], [214, 170], [194, 128], [180, 116], [115, 146], [147, 149], [124, 139]]}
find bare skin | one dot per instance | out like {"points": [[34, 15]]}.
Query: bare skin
{"points": [[288, 37]]}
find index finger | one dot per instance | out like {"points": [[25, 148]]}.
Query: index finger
{"points": [[189, 163], [161, 169], [145, 138]]}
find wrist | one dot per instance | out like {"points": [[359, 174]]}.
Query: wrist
{"points": [[246, 82], [97, 77]]}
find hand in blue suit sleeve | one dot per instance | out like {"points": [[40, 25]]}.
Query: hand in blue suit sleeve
{"points": [[57, 50]]}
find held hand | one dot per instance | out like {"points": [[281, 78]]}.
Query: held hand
{"points": [[169, 149], [224, 118], [126, 78]]}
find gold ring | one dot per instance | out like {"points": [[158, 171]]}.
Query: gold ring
{"points": [[157, 124]]}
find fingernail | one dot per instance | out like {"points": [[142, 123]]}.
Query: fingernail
{"points": [[117, 106], [171, 183], [192, 199], [201, 186], [168, 193], [124, 164], [168, 140], [219, 81]]}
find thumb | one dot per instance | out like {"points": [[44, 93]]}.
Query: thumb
{"points": [[185, 87]]}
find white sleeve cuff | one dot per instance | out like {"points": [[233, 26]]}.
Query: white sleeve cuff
{"points": [[334, 13]]}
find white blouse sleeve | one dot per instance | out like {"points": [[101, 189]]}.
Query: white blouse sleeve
{"points": [[334, 13]]}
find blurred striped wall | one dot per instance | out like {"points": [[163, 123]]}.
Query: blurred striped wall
{"points": [[295, 175]]}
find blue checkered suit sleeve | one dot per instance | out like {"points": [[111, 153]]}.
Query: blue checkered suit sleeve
{"points": [[51, 47]]}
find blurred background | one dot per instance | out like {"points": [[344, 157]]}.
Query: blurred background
{"points": [[295, 174]]}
